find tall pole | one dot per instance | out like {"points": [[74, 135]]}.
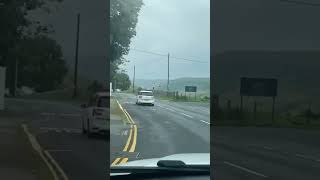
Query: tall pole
{"points": [[76, 60], [168, 75], [134, 74]]}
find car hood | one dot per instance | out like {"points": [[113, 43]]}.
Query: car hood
{"points": [[187, 158]]}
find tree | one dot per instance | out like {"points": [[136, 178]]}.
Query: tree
{"points": [[41, 64], [14, 27], [121, 81], [123, 20]]}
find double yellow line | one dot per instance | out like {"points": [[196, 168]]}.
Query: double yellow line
{"points": [[132, 138]]}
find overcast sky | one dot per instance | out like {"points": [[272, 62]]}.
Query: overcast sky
{"points": [[178, 27], [265, 24]]}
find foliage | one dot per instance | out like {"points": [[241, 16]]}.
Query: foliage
{"points": [[15, 26], [40, 63], [122, 81], [123, 20]]}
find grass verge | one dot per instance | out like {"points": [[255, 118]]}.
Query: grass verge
{"points": [[116, 111]]}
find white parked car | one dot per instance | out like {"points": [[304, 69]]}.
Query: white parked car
{"points": [[95, 116], [145, 97]]}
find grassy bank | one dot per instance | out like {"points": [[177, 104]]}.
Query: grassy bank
{"points": [[115, 112], [264, 119]]}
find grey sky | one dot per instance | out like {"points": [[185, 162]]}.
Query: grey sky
{"points": [[264, 24], [178, 27]]}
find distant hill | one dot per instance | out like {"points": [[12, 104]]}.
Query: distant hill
{"points": [[297, 72], [203, 84]]}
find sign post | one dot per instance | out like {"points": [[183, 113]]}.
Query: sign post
{"points": [[191, 89], [259, 87]]}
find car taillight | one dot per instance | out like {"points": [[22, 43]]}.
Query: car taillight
{"points": [[97, 112]]}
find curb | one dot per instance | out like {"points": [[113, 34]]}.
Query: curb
{"points": [[55, 169]]}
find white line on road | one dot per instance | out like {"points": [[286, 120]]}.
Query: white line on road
{"points": [[186, 115], [70, 115], [308, 157], [59, 150], [245, 169], [171, 110], [48, 114], [204, 121]]}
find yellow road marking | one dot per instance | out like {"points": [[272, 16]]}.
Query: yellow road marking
{"points": [[115, 161], [124, 160], [128, 116], [128, 141], [133, 146]]}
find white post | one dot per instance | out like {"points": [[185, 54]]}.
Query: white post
{"points": [[2, 86]]}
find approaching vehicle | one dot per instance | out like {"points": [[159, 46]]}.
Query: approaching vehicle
{"points": [[145, 97], [176, 166], [95, 117]]}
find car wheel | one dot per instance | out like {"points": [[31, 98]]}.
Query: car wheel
{"points": [[88, 129], [152, 104], [83, 129]]}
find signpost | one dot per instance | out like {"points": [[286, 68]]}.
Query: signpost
{"points": [[258, 87], [191, 89]]}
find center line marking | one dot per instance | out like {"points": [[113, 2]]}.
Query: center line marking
{"points": [[245, 169], [186, 115]]}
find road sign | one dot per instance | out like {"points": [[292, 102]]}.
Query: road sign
{"points": [[258, 87], [190, 89]]}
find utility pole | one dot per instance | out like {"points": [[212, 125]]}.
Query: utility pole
{"points": [[168, 75], [134, 74], [76, 60]]}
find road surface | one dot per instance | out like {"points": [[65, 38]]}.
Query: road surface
{"points": [[164, 129], [57, 127], [265, 153]]}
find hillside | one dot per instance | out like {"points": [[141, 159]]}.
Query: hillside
{"points": [[296, 71], [203, 84]]}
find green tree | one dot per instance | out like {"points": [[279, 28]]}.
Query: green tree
{"points": [[41, 64], [121, 81], [14, 27], [123, 20]]}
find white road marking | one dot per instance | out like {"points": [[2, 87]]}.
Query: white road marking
{"points": [[245, 169], [268, 148], [308, 157], [48, 114], [124, 133], [204, 121], [186, 115], [70, 115], [58, 150], [171, 110]]}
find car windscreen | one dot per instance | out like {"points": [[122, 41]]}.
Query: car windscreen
{"points": [[146, 93], [104, 101]]}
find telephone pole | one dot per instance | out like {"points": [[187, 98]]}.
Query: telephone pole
{"points": [[168, 75], [76, 60], [134, 74]]}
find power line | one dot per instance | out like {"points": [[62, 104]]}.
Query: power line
{"points": [[149, 52], [178, 58], [301, 2]]}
